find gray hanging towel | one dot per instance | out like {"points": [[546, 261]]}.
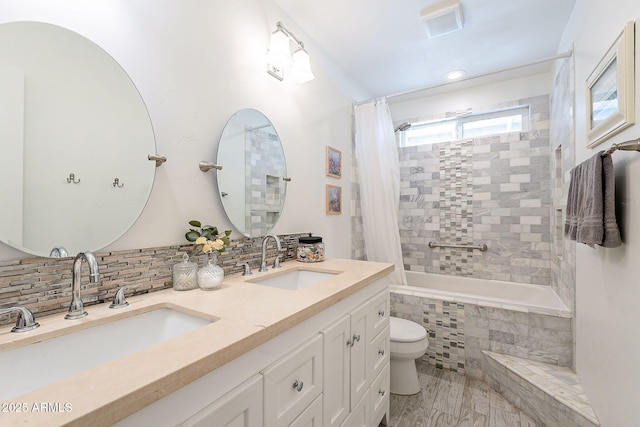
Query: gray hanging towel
{"points": [[591, 213]]}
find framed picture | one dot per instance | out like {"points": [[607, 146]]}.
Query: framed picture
{"points": [[334, 200], [334, 162], [610, 90]]}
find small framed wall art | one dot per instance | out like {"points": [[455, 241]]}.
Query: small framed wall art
{"points": [[610, 90], [334, 199], [334, 162]]}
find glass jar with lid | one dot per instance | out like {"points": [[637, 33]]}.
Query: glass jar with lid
{"points": [[310, 249], [184, 275]]}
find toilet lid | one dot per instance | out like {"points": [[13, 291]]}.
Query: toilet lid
{"points": [[403, 330]]}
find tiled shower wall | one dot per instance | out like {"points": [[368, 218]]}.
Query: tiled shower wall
{"points": [[43, 285], [492, 190], [563, 258]]}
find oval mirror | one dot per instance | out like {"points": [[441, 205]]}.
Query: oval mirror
{"points": [[251, 183], [75, 139]]}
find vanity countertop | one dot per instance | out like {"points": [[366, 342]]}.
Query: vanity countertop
{"points": [[248, 315]]}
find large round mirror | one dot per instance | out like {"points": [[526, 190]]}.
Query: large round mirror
{"points": [[252, 181], [76, 137]]}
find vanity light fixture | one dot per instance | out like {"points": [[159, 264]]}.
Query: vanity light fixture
{"points": [[281, 63]]}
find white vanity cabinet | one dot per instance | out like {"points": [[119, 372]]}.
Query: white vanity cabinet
{"points": [[356, 353], [329, 370]]}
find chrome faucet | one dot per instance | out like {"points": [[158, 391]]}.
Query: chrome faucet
{"points": [[119, 300], [276, 263], [58, 252], [25, 321], [247, 268], [76, 309]]}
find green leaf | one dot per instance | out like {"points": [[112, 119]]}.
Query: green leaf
{"points": [[195, 223], [192, 236], [225, 240], [227, 233]]}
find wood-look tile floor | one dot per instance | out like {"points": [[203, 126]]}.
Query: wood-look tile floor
{"points": [[449, 399]]}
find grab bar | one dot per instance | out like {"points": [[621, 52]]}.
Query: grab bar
{"points": [[481, 247]]}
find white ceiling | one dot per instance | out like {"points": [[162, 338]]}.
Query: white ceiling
{"points": [[382, 44]]}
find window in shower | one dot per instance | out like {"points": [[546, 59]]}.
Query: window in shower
{"points": [[466, 126]]}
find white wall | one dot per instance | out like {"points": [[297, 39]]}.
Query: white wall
{"points": [[430, 106], [195, 63], [607, 284]]}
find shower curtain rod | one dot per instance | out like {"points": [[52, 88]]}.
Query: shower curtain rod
{"points": [[566, 54]]}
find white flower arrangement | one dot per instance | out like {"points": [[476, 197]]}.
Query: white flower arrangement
{"points": [[206, 238]]}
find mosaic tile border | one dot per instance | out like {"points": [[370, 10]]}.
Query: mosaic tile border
{"points": [[43, 285]]}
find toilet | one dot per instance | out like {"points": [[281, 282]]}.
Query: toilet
{"points": [[408, 343]]}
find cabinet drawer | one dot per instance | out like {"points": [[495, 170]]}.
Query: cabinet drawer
{"points": [[241, 406], [378, 318], [310, 417], [379, 396], [379, 352], [292, 383]]}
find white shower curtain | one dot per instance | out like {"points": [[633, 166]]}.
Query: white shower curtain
{"points": [[379, 175]]}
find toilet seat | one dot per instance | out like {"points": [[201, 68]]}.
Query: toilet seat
{"points": [[403, 330]]}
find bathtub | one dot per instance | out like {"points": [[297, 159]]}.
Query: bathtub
{"points": [[465, 317], [521, 297]]}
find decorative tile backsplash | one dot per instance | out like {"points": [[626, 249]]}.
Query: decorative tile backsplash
{"points": [[43, 285]]}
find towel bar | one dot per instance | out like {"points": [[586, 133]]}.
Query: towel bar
{"points": [[631, 145], [481, 247]]}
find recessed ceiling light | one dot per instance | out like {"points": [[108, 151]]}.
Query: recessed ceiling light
{"points": [[455, 74]]}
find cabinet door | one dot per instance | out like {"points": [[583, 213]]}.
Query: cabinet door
{"points": [[310, 417], [360, 378], [241, 407], [359, 416], [336, 371], [292, 383]]}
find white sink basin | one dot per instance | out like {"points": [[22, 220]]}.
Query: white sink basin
{"points": [[294, 279], [28, 368]]}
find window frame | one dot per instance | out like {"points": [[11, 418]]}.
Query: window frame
{"points": [[460, 120]]}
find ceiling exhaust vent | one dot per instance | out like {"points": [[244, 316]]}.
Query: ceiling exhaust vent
{"points": [[442, 18]]}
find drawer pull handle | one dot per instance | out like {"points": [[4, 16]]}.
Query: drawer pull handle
{"points": [[356, 338], [381, 392], [298, 385], [381, 352], [381, 313]]}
